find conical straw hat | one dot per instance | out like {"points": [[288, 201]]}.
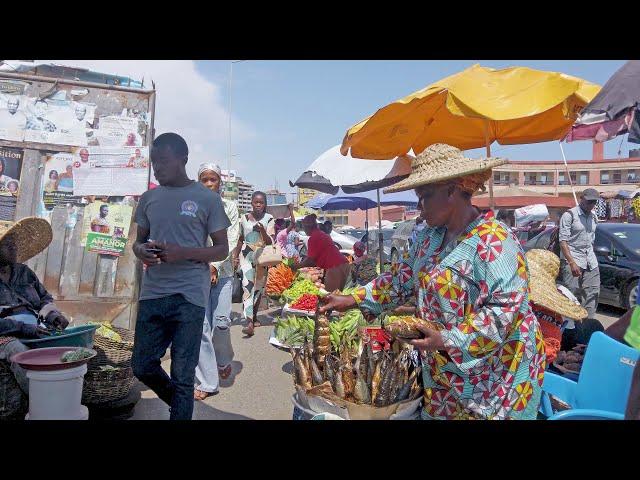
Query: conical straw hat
{"points": [[439, 162], [31, 236], [543, 271]]}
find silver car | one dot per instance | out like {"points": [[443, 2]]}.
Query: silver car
{"points": [[401, 240], [343, 242]]}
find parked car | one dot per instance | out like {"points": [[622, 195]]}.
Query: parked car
{"points": [[617, 247], [387, 235], [343, 242], [401, 239]]}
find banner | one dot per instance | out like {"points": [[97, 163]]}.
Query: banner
{"points": [[10, 168], [120, 131], [106, 228], [110, 171]]}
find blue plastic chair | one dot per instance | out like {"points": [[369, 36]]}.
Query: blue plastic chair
{"points": [[602, 390]]}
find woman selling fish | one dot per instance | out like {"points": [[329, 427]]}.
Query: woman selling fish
{"points": [[486, 358]]}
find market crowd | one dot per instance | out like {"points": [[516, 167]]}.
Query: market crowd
{"points": [[496, 319]]}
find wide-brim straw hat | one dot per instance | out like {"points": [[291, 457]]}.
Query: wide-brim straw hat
{"points": [[31, 236], [440, 162], [543, 271]]}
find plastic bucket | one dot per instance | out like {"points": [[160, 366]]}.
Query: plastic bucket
{"points": [[56, 394]]}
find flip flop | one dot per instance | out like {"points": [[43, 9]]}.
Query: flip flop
{"points": [[248, 331], [225, 372], [199, 395]]}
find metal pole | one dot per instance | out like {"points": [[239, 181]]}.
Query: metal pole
{"points": [[366, 227], [230, 86], [379, 230], [488, 144], [566, 168]]}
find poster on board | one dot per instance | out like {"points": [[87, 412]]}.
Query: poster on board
{"points": [[10, 168], [115, 171], [106, 228]]}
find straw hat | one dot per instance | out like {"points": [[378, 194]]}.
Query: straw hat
{"points": [[31, 236], [543, 270], [439, 162]]}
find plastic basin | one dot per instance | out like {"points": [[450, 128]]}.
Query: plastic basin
{"points": [[81, 336], [48, 359]]}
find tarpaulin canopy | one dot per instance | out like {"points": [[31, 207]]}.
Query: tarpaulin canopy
{"points": [[473, 109], [332, 170], [614, 110], [361, 201]]}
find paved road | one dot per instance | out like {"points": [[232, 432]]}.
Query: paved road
{"points": [[260, 386]]}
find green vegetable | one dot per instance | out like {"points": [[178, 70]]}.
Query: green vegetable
{"points": [[293, 330], [299, 288], [75, 355], [345, 329]]}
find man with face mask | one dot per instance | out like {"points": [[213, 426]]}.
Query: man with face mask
{"points": [[579, 270]]}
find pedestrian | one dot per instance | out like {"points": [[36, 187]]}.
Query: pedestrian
{"points": [[256, 230], [483, 353], [216, 351], [327, 227], [323, 253], [175, 221], [579, 266], [288, 239]]}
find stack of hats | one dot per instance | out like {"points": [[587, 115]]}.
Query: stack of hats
{"points": [[549, 305]]}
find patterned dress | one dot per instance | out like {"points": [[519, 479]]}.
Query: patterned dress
{"points": [[476, 288]]}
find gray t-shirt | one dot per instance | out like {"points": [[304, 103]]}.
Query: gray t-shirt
{"points": [[184, 216]]}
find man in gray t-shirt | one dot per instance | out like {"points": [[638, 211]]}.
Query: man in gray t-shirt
{"points": [[174, 222]]}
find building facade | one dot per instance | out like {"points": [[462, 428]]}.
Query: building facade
{"points": [[550, 177], [245, 190]]}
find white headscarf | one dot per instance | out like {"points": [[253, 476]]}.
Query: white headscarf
{"points": [[211, 167]]}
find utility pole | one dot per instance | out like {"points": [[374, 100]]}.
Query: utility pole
{"points": [[229, 108]]}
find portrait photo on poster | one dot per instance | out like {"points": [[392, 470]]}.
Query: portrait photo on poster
{"points": [[10, 169], [106, 228], [58, 180]]}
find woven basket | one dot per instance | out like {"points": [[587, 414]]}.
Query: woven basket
{"points": [[106, 386], [116, 354]]}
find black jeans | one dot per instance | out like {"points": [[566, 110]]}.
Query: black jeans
{"points": [[163, 321]]}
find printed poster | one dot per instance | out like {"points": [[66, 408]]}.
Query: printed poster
{"points": [[59, 121], [120, 131], [106, 228], [114, 171], [59, 181], [10, 168]]}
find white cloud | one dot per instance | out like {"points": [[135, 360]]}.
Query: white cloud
{"points": [[186, 103]]}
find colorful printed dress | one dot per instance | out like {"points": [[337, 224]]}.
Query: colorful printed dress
{"points": [[477, 290]]}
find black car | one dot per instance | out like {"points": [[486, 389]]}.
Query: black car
{"points": [[617, 247]]}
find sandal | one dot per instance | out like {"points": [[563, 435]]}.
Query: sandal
{"points": [[256, 323], [248, 330], [225, 372], [199, 395]]}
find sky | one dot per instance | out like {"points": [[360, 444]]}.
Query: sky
{"points": [[286, 113]]}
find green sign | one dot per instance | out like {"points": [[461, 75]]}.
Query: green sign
{"points": [[105, 244]]}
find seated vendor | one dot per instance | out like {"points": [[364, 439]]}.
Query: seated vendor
{"points": [[322, 253], [552, 307], [26, 308]]}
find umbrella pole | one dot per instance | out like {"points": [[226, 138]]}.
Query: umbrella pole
{"points": [[366, 227], [379, 230], [566, 169], [488, 145]]}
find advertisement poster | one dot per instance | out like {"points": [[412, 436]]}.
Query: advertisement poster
{"points": [[117, 131], [10, 168], [13, 119], [59, 121], [58, 180], [106, 228], [110, 171]]}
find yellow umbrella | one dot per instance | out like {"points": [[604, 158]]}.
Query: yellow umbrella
{"points": [[472, 109]]}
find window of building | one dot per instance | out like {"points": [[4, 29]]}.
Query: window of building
{"points": [[632, 176], [583, 178], [617, 176], [605, 177]]}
